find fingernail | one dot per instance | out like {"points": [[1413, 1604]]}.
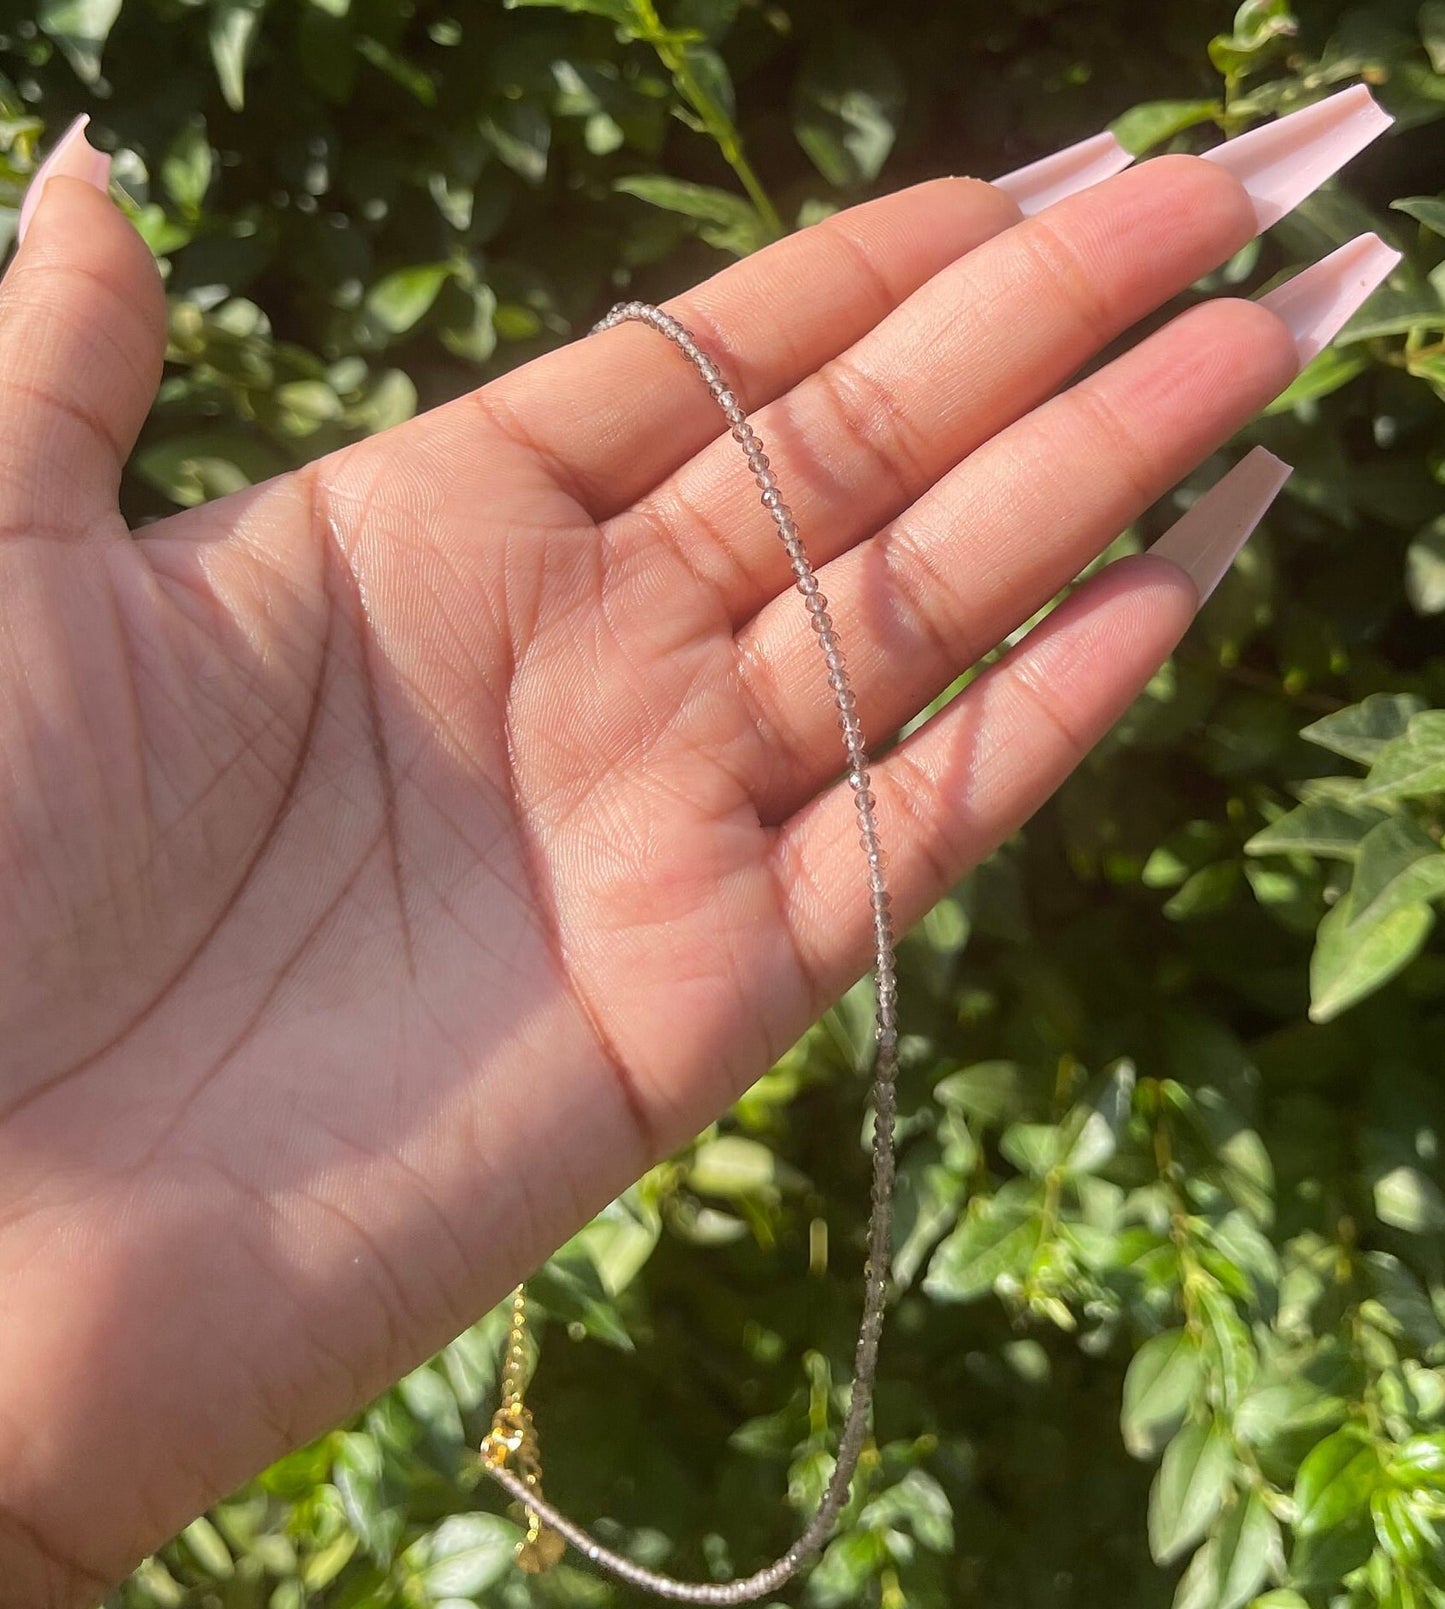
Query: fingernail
{"points": [[1204, 542], [1065, 173], [1280, 163], [76, 158], [1318, 302]]}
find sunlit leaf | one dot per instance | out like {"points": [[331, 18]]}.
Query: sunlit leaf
{"points": [[846, 106], [1361, 731], [80, 28], [233, 32], [727, 221], [1159, 1387], [1353, 959], [1189, 1489], [1156, 121]]}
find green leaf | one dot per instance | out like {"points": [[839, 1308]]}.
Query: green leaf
{"points": [[1420, 1461], [849, 1563], [1259, 26], [1091, 1132], [192, 469], [1335, 1481], [1410, 766], [1153, 122], [1362, 730], [464, 1556], [991, 1091], [1331, 830], [374, 1502], [473, 336], [520, 132], [1205, 893], [1398, 864], [400, 299], [846, 106], [187, 167], [1322, 376], [1405, 1526], [711, 87], [1425, 569], [1225, 1341], [1033, 1148], [1432, 33], [727, 221], [1428, 210], [919, 1503], [993, 1241], [1353, 959], [303, 406], [206, 1546], [622, 1238], [404, 74], [1189, 1489], [1406, 1199], [232, 33], [930, 1197], [80, 28], [1233, 1564], [733, 1166], [1159, 1387], [569, 1286]]}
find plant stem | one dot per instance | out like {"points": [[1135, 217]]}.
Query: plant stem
{"points": [[715, 121]]}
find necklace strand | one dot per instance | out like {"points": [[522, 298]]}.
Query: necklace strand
{"points": [[513, 1435]]}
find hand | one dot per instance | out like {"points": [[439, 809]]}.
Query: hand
{"points": [[399, 856]]}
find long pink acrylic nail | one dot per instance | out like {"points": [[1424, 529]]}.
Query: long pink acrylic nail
{"points": [[1280, 163], [1320, 300], [1204, 542], [74, 157], [1065, 173]]}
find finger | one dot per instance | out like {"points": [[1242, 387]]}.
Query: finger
{"points": [[617, 412], [975, 772], [767, 321], [1001, 535], [977, 346], [82, 337]]}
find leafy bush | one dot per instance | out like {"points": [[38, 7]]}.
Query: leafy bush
{"points": [[1171, 1257]]}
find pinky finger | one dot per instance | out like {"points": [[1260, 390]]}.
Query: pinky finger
{"points": [[971, 775]]}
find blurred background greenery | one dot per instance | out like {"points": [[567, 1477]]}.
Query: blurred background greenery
{"points": [[1171, 1258]]}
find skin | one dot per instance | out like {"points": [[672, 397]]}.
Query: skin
{"points": [[397, 857]]}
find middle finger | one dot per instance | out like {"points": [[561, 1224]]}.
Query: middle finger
{"points": [[975, 348]]}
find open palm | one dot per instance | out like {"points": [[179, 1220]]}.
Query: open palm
{"points": [[397, 857]]}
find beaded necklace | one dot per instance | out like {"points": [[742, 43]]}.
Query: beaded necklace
{"points": [[510, 1452]]}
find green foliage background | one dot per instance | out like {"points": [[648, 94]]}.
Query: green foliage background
{"points": [[1171, 1262]]}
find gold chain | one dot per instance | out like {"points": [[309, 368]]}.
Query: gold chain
{"points": [[513, 1437]]}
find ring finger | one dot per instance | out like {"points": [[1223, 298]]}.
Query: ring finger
{"points": [[1017, 520]]}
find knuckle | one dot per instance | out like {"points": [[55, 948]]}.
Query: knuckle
{"points": [[1063, 277], [1120, 443], [869, 413]]}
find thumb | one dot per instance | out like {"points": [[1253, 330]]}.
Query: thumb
{"points": [[82, 339]]}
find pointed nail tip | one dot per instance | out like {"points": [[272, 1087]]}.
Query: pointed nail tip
{"points": [[1320, 300], [1269, 466], [96, 172], [1281, 162], [1205, 540]]}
